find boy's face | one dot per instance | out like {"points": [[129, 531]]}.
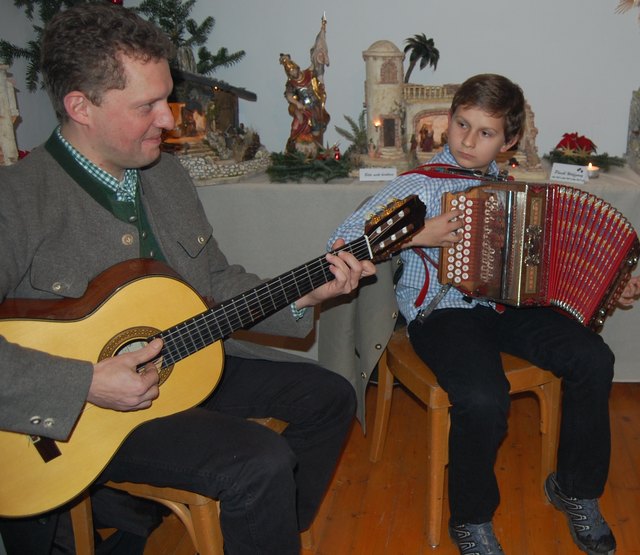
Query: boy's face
{"points": [[476, 138]]}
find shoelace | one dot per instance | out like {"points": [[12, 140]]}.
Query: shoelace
{"points": [[586, 516], [469, 539]]}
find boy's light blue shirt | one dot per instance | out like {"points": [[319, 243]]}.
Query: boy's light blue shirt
{"points": [[430, 191]]}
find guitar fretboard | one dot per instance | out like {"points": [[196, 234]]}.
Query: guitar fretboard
{"points": [[241, 311]]}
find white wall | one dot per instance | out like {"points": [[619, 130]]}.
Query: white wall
{"points": [[575, 59]]}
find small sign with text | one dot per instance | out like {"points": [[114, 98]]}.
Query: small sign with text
{"points": [[569, 173], [378, 174]]}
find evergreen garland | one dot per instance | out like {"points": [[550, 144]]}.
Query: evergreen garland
{"points": [[603, 161], [296, 167], [581, 151]]}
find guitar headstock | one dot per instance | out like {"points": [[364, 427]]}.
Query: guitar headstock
{"points": [[394, 225]]}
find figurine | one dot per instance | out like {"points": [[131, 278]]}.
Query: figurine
{"points": [[306, 96]]}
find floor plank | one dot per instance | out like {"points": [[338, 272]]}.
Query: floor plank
{"points": [[378, 508]]}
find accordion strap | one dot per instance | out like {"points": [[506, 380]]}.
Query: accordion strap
{"points": [[441, 171]]}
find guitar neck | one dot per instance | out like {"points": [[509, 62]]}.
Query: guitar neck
{"points": [[241, 311]]}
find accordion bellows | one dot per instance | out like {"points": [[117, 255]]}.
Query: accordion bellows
{"points": [[540, 245]]}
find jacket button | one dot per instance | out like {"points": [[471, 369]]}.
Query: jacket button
{"points": [[48, 422], [201, 240], [394, 316], [127, 239], [57, 286], [35, 420], [363, 375], [378, 346]]}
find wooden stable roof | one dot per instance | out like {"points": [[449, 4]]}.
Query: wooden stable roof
{"points": [[181, 75]]}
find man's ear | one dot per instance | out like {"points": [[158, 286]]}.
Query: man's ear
{"points": [[77, 106], [508, 145]]}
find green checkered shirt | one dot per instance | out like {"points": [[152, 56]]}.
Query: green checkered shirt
{"points": [[124, 190]]}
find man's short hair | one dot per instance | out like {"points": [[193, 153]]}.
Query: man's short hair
{"points": [[83, 45]]}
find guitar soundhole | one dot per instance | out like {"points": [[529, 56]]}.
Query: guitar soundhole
{"points": [[130, 340]]}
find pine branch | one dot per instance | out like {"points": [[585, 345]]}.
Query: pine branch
{"points": [[295, 167]]}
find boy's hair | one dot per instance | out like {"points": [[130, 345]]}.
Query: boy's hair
{"points": [[497, 96], [82, 48]]}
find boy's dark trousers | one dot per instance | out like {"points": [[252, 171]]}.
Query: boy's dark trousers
{"points": [[462, 347]]}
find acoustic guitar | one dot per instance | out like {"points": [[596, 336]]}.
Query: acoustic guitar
{"points": [[125, 307]]}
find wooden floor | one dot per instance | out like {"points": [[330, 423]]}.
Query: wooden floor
{"points": [[379, 509]]}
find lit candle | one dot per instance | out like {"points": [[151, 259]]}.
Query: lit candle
{"points": [[593, 171]]}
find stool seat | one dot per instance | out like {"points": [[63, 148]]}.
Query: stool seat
{"points": [[401, 362]]}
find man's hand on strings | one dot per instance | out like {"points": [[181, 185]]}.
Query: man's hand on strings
{"points": [[119, 384], [347, 271]]}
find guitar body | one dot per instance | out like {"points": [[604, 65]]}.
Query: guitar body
{"points": [[133, 311]]}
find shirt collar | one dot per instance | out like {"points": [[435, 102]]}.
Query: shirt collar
{"points": [[125, 190]]}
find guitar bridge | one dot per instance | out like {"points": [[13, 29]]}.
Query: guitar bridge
{"points": [[46, 447]]}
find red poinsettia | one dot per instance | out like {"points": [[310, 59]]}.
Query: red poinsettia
{"points": [[573, 144]]}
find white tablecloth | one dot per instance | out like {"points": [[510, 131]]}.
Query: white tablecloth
{"points": [[271, 228], [621, 188]]}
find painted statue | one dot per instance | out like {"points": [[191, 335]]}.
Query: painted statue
{"points": [[306, 96]]}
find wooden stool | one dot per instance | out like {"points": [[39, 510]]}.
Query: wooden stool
{"points": [[401, 361], [198, 513]]}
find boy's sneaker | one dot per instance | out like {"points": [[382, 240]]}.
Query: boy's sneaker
{"points": [[475, 539], [586, 524]]}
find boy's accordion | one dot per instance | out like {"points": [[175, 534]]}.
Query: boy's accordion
{"points": [[540, 245]]}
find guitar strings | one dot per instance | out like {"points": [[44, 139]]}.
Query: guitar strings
{"points": [[197, 332], [200, 331]]}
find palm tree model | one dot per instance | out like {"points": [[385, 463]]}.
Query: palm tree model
{"points": [[357, 135], [423, 50]]}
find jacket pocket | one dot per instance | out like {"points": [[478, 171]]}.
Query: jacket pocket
{"points": [[58, 275], [196, 239]]}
